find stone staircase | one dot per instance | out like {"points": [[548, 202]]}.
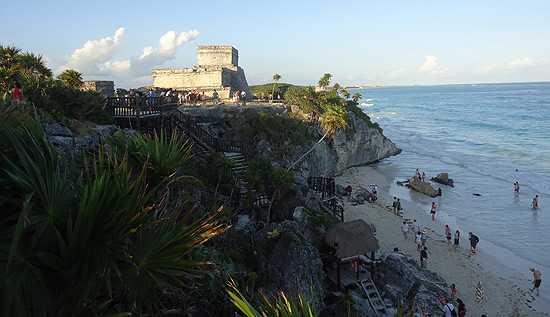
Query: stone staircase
{"points": [[375, 300]]}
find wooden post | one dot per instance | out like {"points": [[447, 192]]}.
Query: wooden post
{"points": [[372, 266]]}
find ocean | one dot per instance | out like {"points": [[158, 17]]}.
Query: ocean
{"points": [[487, 137]]}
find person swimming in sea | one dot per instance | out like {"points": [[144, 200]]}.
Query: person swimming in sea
{"points": [[516, 187], [535, 203]]}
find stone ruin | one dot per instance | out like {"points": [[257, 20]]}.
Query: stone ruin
{"points": [[218, 69], [105, 87]]}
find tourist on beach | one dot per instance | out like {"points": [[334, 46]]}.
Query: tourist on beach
{"points": [[416, 226], [394, 205], [398, 206], [423, 257], [448, 234], [447, 309], [474, 240], [203, 99], [516, 187], [270, 98], [457, 239], [424, 237], [215, 97], [434, 207], [461, 308], [418, 240], [535, 203], [438, 192], [405, 229], [536, 280], [423, 176], [17, 93], [453, 291], [417, 174]]}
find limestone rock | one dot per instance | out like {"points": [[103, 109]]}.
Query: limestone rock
{"points": [[396, 276], [290, 261], [443, 178], [57, 129], [422, 187]]}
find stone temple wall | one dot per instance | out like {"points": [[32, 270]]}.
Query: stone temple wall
{"points": [[217, 69], [105, 87], [217, 56]]}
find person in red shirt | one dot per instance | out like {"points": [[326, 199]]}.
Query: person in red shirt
{"points": [[17, 92]]}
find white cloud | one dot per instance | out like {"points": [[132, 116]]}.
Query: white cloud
{"points": [[516, 63], [521, 62], [167, 49], [95, 57], [431, 66], [395, 73], [87, 58]]}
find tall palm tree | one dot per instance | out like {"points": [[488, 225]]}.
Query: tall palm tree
{"points": [[8, 55], [325, 80], [356, 96], [336, 87], [276, 78], [34, 64], [345, 93], [333, 120], [71, 78]]}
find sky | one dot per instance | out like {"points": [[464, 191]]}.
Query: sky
{"points": [[360, 43]]}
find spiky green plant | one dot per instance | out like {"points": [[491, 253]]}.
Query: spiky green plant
{"points": [[74, 245], [280, 306]]}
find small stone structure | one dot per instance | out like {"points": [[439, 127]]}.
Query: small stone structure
{"points": [[218, 69], [105, 87]]}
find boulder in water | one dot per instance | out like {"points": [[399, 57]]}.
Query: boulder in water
{"points": [[443, 178], [423, 187]]}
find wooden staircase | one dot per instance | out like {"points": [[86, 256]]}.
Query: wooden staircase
{"points": [[375, 300]]}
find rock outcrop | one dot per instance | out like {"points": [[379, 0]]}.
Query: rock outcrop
{"points": [[422, 187], [443, 178], [399, 278], [333, 155]]}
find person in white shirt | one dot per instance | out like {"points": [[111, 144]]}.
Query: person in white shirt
{"points": [[405, 229]]}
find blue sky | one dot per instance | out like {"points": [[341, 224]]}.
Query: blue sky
{"points": [[358, 42]]}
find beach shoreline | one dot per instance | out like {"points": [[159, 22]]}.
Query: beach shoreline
{"points": [[506, 291]]}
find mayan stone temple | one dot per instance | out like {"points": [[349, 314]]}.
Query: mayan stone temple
{"points": [[218, 69]]}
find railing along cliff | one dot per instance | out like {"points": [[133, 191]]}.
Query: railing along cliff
{"points": [[327, 188], [137, 106], [205, 139]]}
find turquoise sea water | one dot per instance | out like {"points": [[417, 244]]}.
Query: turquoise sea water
{"points": [[480, 135]]}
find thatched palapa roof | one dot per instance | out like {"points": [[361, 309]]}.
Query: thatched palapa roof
{"points": [[353, 238]]}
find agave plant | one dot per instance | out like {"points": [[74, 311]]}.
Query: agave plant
{"points": [[280, 306], [75, 244]]}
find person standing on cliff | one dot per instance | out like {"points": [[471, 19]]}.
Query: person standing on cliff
{"points": [[243, 97], [270, 98], [536, 280], [215, 97]]}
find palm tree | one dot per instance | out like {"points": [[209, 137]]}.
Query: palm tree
{"points": [[71, 78], [345, 93], [333, 120], [356, 96], [325, 80], [8, 55], [336, 87], [34, 64], [276, 78]]}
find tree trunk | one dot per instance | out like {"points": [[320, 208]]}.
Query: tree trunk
{"points": [[301, 157]]}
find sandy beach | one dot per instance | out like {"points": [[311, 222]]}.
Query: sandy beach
{"points": [[503, 294]]}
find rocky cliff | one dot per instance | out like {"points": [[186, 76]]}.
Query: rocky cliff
{"points": [[334, 154]]}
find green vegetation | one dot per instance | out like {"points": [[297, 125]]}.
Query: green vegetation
{"points": [[262, 91], [86, 240], [320, 217], [60, 98]]}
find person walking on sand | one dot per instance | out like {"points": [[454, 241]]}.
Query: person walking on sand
{"points": [[416, 226], [448, 234], [434, 207], [405, 229], [423, 257], [394, 205], [398, 206], [536, 280], [474, 240], [418, 240], [424, 237], [535, 203], [457, 239]]}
